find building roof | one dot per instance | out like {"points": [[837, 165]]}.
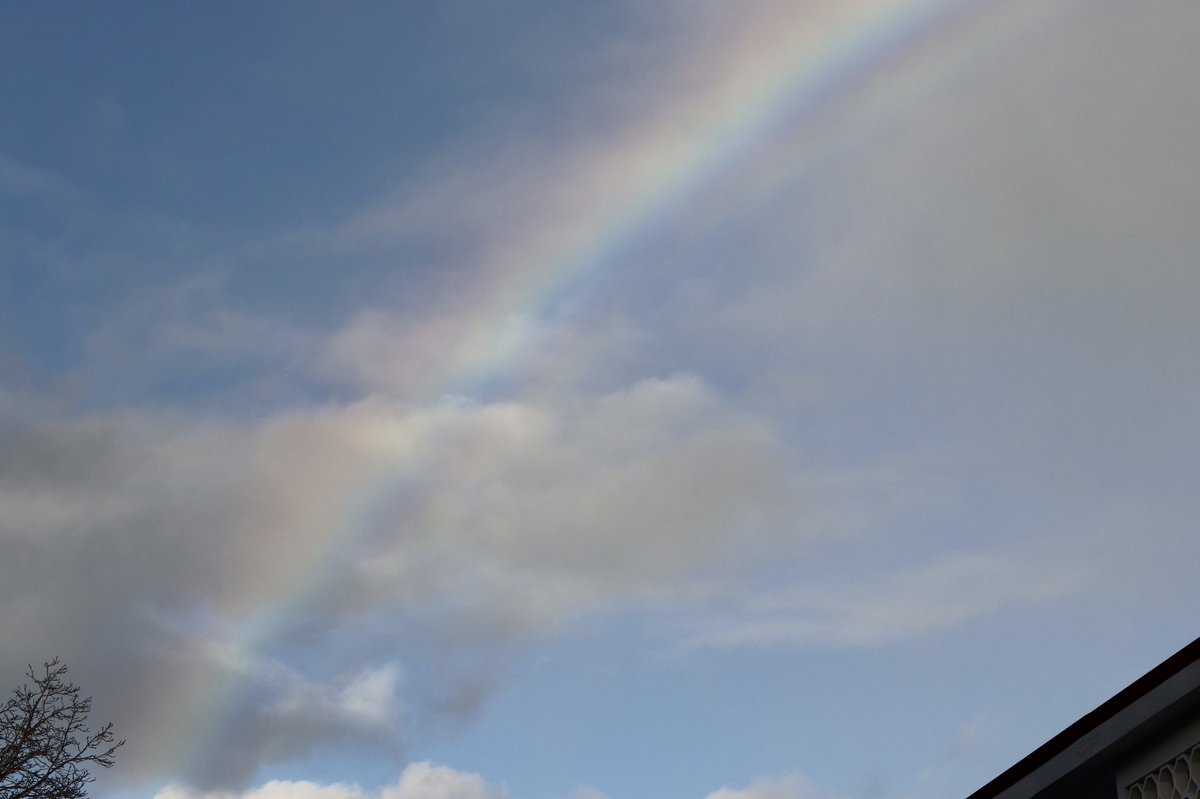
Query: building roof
{"points": [[1087, 757]]}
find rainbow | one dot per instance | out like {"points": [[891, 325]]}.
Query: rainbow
{"points": [[783, 72]]}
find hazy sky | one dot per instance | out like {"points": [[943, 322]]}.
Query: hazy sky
{"points": [[687, 399]]}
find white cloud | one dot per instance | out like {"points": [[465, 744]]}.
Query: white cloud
{"points": [[588, 792], [371, 696], [276, 789], [428, 781], [790, 787], [418, 781]]}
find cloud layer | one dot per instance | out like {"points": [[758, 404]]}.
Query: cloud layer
{"points": [[427, 781], [909, 359]]}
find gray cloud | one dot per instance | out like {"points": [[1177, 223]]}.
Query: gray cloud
{"points": [[141, 548]]}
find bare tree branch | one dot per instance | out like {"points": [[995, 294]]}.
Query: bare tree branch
{"points": [[46, 746]]}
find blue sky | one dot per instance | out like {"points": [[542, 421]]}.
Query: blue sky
{"points": [[595, 400]]}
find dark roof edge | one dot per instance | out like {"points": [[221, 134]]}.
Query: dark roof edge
{"points": [[1061, 742]]}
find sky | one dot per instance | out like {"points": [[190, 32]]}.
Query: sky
{"points": [[683, 399]]}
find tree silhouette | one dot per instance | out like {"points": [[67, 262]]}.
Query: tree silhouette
{"points": [[45, 744]]}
